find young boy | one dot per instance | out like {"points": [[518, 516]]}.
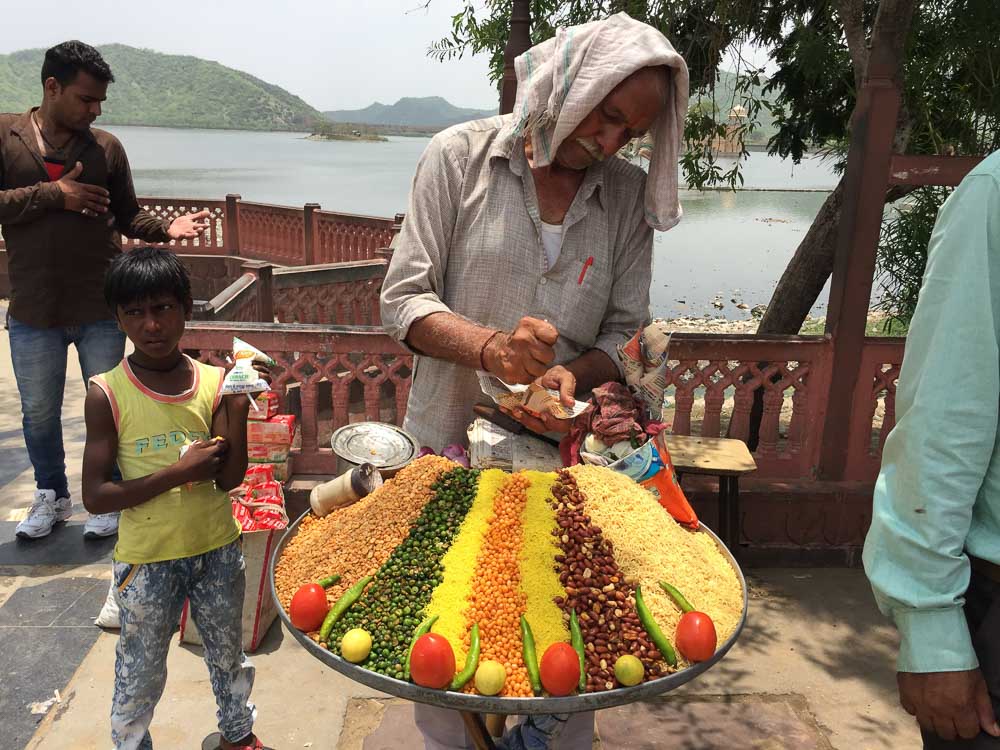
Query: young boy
{"points": [[177, 537]]}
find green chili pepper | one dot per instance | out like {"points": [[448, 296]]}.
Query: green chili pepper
{"points": [[471, 661], [422, 628], [530, 659], [655, 634], [678, 597], [343, 604], [576, 639], [329, 581]]}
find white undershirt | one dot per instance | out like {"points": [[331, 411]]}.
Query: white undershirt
{"points": [[552, 242]]}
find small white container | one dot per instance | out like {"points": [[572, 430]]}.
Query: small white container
{"points": [[348, 488]]}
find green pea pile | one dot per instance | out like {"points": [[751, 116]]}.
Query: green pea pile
{"points": [[391, 607]]}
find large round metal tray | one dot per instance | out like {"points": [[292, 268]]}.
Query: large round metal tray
{"points": [[488, 704]]}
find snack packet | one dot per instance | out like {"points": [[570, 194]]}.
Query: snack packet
{"points": [[243, 378], [243, 350]]}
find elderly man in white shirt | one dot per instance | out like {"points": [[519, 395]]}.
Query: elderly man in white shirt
{"points": [[527, 250]]}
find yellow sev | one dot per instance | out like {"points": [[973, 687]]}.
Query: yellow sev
{"points": [[539, 580], [451, 598], [650, 546]]}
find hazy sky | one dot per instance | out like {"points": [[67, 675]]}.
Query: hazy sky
{"points": [[335, 54]]}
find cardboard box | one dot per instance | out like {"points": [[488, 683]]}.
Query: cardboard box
{"points": [[267, 406], [267, 453], [278, 430]]}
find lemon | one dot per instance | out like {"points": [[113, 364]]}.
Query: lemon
{"points": [[356, 645], [490, 677], [628, 670]]}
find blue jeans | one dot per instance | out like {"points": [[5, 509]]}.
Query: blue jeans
{"points": [[39, 359], [150, 598]]}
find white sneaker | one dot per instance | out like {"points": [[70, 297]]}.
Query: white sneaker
{"points": [[97, 527], [46, 512]]}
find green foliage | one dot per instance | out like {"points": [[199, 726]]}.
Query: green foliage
{"points": [[151, 88], [902, 257], [950, 97]]}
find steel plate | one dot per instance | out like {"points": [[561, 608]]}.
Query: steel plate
{"points": [[493, 704]]}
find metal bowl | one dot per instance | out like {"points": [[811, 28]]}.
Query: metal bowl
{"points": [[387, 447], [495, 704]]}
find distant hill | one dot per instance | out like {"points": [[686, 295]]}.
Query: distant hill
{"points": [[152, 88], [422, 112]]}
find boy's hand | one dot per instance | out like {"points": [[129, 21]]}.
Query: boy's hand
{"points": [[202, 459]]}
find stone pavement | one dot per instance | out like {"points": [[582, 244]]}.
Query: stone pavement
{"points": [[813, 670]]}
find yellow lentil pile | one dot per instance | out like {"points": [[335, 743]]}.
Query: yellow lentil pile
{"points": [[356, 540], [496, 601], [539, 579], [451, 597], [649, 546]]}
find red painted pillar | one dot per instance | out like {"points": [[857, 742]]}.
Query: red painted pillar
{"points": [[866, 181], [231, 239]]}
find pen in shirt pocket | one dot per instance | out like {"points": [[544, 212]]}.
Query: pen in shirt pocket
{"points": [[586, 266]]}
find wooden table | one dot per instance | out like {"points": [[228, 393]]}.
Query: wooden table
{"points": [[725, 458]]}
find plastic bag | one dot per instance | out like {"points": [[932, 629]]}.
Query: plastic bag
{"points": [[650, 466], [109, 616]]}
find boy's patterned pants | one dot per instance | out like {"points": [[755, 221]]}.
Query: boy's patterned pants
{"points": [[151, 596]]}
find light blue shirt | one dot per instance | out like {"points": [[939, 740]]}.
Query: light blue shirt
{"points": [[938, 493]]}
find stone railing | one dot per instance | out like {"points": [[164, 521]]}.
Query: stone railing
{"points": [[333, 294], [712, 380], [327, 375], [282, 235], [331, 375]]}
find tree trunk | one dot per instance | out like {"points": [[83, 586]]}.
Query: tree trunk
{"points": [[807, 272]]}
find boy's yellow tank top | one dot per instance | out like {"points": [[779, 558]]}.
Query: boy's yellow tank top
{"points": [[152, 429]]}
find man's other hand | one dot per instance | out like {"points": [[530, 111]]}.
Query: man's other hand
{"points": [[189, 226], [949, 704], [523, 355], [557, 379]]}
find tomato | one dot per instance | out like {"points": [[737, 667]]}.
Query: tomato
{"points": [[309, 607], [432, 662], [696, 637], [560, 669]]}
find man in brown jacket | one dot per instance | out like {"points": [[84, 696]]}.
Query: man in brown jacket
{"points": [[65, 195]]}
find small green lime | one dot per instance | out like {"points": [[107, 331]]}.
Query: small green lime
{"points": [[628, 670], [490, 677], [356, 645]]}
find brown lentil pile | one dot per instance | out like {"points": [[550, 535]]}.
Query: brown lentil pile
{"points": [[596, 588], [355, 541]]}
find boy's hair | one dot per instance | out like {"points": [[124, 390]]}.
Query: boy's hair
{"points": [[144, 273], [65, 60]]}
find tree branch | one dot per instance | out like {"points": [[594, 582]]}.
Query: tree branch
{"points": [[850, 12]]}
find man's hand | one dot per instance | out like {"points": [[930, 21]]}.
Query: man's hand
{"points": [[949, 704], [523, 355], [558, 379], [201, 460], [89, 200], [188, 226]]}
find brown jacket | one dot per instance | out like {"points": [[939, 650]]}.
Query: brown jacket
{"points": [[57, 258]]}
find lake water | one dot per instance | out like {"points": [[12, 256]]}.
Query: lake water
{"points": [[734, 245]]}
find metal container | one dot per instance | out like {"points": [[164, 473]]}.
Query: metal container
{"points": [[385, 446], [495, 704]]}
